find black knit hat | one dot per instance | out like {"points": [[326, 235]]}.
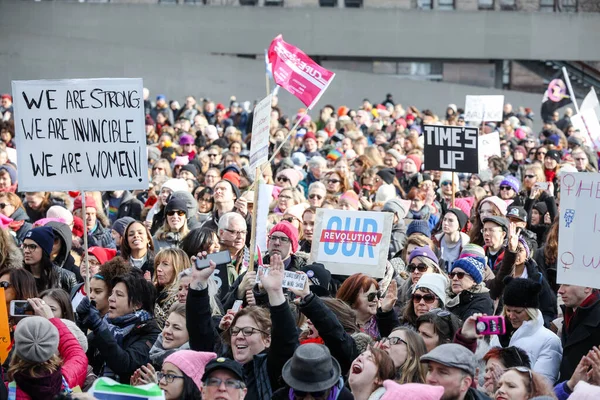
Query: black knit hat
{"points": [[521, 292], [176, 204], [460, 216], [387, 175]]}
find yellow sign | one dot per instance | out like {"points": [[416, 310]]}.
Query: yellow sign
{"points": [[5, 342]]}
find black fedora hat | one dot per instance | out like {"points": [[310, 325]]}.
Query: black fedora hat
{"points": [[311, 369]]}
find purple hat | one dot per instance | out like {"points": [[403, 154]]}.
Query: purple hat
{"points": [[186, 139], [424, 251], [511, 181]]}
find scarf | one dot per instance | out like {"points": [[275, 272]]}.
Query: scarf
{"points": [[370, 328], [317, 340], [158, 353], [570, 313], [10, 189], [550, 175], [41, 388]]}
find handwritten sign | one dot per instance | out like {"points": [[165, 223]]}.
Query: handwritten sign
{"points": [[348, 242], [291, 280], [579, 231], [484, 108], [586, 122], [81, 134], [5, 342], [489, 145], [259, 144], [451, 148]]}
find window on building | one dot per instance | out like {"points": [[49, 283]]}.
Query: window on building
{"points": [[547, 5], [485, 4], [446, 4], [508, 4], [425, 4]]}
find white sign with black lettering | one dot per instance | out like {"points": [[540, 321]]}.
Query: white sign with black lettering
{"points": [[291, 280], [484, 108]]}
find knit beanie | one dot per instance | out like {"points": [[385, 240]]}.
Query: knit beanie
{"points": [[78, 333], [175, 204], [102, 254], [471, 266], [36, 339], [521, 292], [473, 250], [511, 181], [460, 216], [89, 202], [395, 391], [525, 245], [60, 212], [541, 208], [437, 283], [191, 168], [120, 225], [351, 197], [387, 175], [77, 227], [362, 340], [418, 226], [497, 201], [385, 193], [423, 252], [555, 155], [395, 153], [12, 172], [293, 176], [465, 204], [43, 236], [175, 185], [191, 363], [397, 206], [416, 159], [234, 187], [288, 230]]}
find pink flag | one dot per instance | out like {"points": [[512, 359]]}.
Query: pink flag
{"points": [[297, 73]]}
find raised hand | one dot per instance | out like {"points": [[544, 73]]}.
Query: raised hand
{"points": [[273, 281], [391, 296], [469, 328], [513, 237], [41, 308], [248, 282]]}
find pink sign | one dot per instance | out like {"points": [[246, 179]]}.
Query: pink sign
{"points": [[297, 73]]}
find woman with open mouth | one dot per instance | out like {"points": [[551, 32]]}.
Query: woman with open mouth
{"points": [[368, 372]]}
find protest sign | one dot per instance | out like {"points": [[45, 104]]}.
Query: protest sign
{"points": [[12, 155], [586, 122], [259, 144], [348, 242], [297, 73], [591, 103], [291, 279], [5, 340], [262, 213], [489, 145], [484, 108], [579, 230], [80, 134], [451, 148], [108, 389]]}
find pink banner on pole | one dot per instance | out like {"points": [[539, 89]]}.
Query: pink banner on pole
{"points": [[297, 73]]}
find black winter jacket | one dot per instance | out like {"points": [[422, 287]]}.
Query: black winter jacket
{"points": [[471, 303]]}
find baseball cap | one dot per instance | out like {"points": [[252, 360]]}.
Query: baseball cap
{"points": [[517, 212], [223, 363], [454, 356], [500, 221]]}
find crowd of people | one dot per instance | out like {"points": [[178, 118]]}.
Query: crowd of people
{"points": [[463, 247]]}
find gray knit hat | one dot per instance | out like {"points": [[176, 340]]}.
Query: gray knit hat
{"points": [[36, 339]]}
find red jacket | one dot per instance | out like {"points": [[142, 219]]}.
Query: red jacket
{"points": [[75, 362]]}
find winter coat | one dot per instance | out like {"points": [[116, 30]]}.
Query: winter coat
{"points": [[468, 302], [64, 259], [548, 270], [307, 181], [474, 394], [66, 279], [262, 374], [541, 344], [73, 369], [398, 239], [169, 240], [581, 334], [122, 360], [21, 215], [166, 298], [101, 237], [129, 207]]}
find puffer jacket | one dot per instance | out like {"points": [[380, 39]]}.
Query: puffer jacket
{"points": [[73, 369], [541, 344], [468, 302]]}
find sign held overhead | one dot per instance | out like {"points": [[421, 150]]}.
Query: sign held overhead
{"points": [[484, 108], [451, 148]]}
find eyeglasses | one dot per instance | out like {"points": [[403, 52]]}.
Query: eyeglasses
{"points": [[529, 176], [372, 296], [229, 383], [446, 183], [428, 298], [173, 212], [505, 188], [394, 340], [236, 233], [168, 377], [30, 247], [421, 267], [282, 178], [320, 395], [459, 275], [313, 196], [333, 181], [5, 284], [247, 331], [282, 239]]}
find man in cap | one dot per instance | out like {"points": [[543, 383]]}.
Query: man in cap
{"points": [[162, 107], [453, 367], [494, 233], [223, 379], [310, 145]]}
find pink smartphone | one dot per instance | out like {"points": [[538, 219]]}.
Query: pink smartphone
{"points": [[491, 325]]}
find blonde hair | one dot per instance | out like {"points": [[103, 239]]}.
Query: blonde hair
{"points": [[33, 369], [178, 260], [166, 228], [532, 313]]}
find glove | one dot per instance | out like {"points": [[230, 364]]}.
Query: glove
{"points": [[83, 309], [89, 315]]}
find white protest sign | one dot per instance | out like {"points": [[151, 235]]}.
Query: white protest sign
{"points": [[579, 230], [12, 155], [259, 144], [591, 103], [588, 126], [80, 134], [291, 279], [489, 145], [349, 242], [484, 108], [262, 213]]}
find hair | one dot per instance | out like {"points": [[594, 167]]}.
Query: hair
{"points": [[227, 218], [199, 240], [8, 126], [408, 314], [532, 314], [372, 153], [201, 193], [140, 292], [261, 316], [8, 250], [445, 327], [190, 389], [412, 370], [551, 244], [419, 241], [350, 289], [22, 281], [497, 163], [45, 199], [126, 249], [63, 299], [297, 197], [537, 170], [178, 259], [13, 199], [509, 356], [475, 235], [178, 308], [32, 369], [416, 193], [48, 276], [165, 164], [366, 162], [237, 160], [317, 161], [166, 228], [111, 269], [344, 314], [539, 384], [316, 185], [384, 363]]}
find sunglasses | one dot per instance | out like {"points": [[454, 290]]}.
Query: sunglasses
{"points": [[428, 298], [333, 181], [372, 296], [459, 275], [173, 212], [505, 188], [446, 183], [5, 284], [282, 179], [213, 155], [320, 395], [529, 176], [313, 196], [421, 267]]}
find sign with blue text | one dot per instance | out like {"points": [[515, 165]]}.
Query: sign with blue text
{"points": [[349, 242], [80, 134]]}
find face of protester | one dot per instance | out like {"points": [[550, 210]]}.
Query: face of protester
{"points": [[512, 385], [279, 243], [214, 157], [182, 290], [165, 195], [282, 181], [529, 179], [244, 348], [308, 225], [173, 390], [489, 380], [94, 266], [453, 381], [422, 301], [418, 273], [205, 203], [6, 208], [507, 192], [118, 302], [363, 307], [536, 218], [223, 193], [416, 204], [235, 234], [32, 253], [446, 187], [165, 272], [550, 163], [285, 200], [493, 235], [5, 180], [450, 223], [398, 352], [316, 197], [34, 201], [474, 181], [5, 136], [390, 161], [333, 183], [211, 178], [359, 167], [99, 294], [175, 333], [458, 284], [581, 161], [90, 217], [409, 167], [176, 219], [516, 316], [223, 392], [137, 238], [572, 296], [487, 209], [428, 334], [54, 306], [363, 372], [310, 145]]}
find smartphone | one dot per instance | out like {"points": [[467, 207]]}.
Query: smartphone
{"points": [[491, 325], [237, 305], [222, 257], [20, 308], [365, 193], [541, 185]]}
